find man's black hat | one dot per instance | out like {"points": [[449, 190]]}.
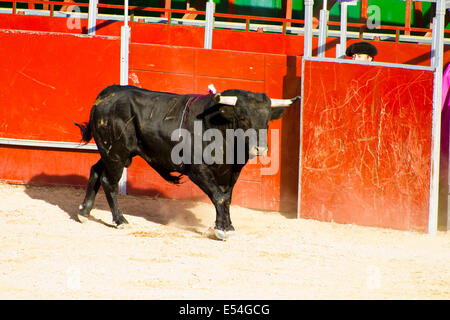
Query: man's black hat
{"points": [[361, 48]]}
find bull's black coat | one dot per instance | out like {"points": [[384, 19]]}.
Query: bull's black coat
{"points": [[127, 121]]}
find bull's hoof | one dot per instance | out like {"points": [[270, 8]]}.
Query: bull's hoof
{"points": [[223, 234], [122, 226], [82, 218], [122, 223]]}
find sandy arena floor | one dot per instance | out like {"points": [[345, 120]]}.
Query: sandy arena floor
{"points": [[167, 253]]}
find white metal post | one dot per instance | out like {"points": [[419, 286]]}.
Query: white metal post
{"points": [[340, 53], [124, 54], [209, 24], [124, 47], [434, 43], [323, 28], [308, 28], [438, 51], [92, 16]]}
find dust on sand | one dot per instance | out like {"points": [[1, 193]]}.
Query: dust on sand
{"points": [[167, 252]]}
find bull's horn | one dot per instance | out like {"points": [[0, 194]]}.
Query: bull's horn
{"points": [[283, 102], [229, 100]]}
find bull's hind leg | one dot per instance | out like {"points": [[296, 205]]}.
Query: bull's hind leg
{"points": [[91, 191], [109, 181]]}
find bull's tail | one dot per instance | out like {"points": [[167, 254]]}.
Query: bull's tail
{"points": [[86, 133]]}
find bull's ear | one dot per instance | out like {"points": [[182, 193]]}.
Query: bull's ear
{"points": [[227, 112], [277, 113]]}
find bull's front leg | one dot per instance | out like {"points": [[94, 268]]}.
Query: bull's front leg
{"points": [[220, 196], [223, 227]]}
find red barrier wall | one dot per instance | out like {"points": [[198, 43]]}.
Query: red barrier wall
{"points": [[42, 91], [50, 79], [366, 145]]}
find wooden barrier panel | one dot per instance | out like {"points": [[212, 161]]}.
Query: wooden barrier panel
{"points": [[366, 145], [48, 80], [190, 70]]}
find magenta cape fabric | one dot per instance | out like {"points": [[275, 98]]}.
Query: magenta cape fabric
{"points": [[445, 87], [445, 125]]}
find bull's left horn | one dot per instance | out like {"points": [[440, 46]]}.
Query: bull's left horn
{"points": [[229, 100], [283, 102]]}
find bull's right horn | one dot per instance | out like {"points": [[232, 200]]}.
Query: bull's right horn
{"points": [[283, 102], [229, 100]]}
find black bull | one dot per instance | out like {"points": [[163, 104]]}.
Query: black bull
{"points": [[127, 121]]}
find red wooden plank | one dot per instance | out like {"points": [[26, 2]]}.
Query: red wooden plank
{"points": [[366, 145], [247, 194], [222, 84], [160, 81], [162, 58], [46, 167], [42, 92], [222, 64]]}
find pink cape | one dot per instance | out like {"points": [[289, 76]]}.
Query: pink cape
{"points": [[445, 87], [445, 125]]}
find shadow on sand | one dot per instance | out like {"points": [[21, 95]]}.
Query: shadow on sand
{"points": [[70, 192]]}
